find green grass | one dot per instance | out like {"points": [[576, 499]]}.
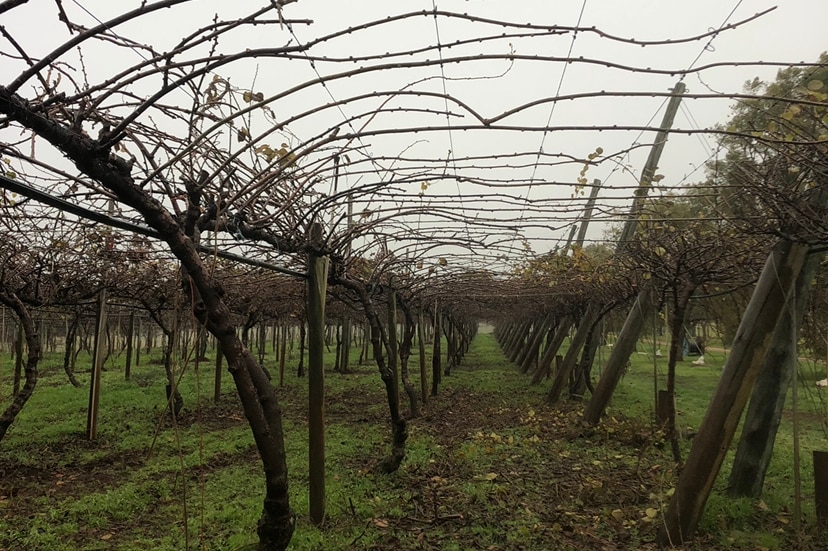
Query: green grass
{"points": [[736, 519], [490, 465]]}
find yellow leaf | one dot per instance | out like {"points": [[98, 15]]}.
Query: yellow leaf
{"points": [[618, 514], [815, 85], [247, 96], [762, 505], [106, 537], [651, 513]]}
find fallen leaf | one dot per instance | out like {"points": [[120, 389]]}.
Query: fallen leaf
{"points": [[380, 523]]}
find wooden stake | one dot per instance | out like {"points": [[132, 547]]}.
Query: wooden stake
{"points": [[317, 283], [97, 366]]}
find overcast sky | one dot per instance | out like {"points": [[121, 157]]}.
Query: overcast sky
{"points": [[794, 31]]}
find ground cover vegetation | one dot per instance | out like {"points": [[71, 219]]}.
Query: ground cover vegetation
{"points": [[162, 226], [490, 465]]}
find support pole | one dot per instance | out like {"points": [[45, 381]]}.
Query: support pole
{"points": [[130, 337], [317, 283], [97, 366], [217, 382], [422, 349], [641, 309]]}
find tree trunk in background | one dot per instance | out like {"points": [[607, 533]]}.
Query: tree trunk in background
{"points": [[451, 344], [681, 297], [27, 328], [282, 354], [130, 337], [399, 427], [300, 370], [716, 432], [764, 414], [345, 359], [338, 348], [391, 343], [422, 350], [69, 351], [436, 373], [406, 344]]}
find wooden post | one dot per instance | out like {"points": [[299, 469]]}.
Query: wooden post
{"points": [[632, 326], [436, 374], [282, 353], [18, 361], [97, 366], [138, 344], [129, 339], [821, 486], [750, 345], [217, 383], [317, 282], [620, 354], [422, 349], [345, 351]]}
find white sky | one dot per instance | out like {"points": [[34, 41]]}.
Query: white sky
{"points": [[794, 32]]}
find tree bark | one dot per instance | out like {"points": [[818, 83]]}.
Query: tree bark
{"points": [[399, 427], [406, 344], [681, 297], [69, 349]]}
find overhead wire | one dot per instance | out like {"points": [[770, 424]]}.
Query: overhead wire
{"points": [[451, 157], [552, 112], [708, 46]]}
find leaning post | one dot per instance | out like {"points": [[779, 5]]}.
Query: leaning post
{"points": [[317, 287]]}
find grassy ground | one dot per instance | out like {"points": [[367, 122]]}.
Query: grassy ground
{"points": [[489, 466]]}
